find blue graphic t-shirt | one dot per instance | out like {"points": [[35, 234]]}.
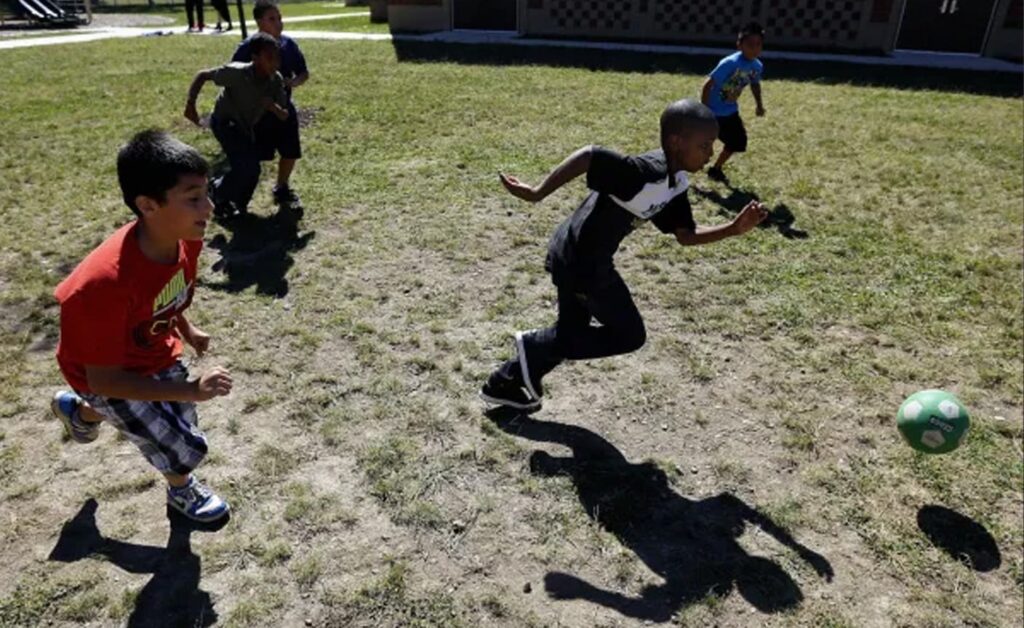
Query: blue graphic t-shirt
{"points": [[732, 74]]}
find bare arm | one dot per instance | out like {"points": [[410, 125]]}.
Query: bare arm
{"points": [[120, 384], [705, 92], [197, 338], [755, 89], [746, 220], [573, 166], [193, 93], [298, 80]]}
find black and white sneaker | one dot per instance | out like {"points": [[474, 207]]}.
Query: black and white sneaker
{"points": [[533, 386], [503, 391]]}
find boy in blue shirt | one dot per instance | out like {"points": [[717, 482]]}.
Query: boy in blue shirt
{"points": [[273, 135], [723, 88]]}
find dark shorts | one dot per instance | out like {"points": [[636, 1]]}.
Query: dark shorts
{"points": [[732, 133], [276, 136]]}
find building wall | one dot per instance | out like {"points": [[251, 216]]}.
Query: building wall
{"points": [[833, 24], [1006, 39], [838, 25], [419, 15]]}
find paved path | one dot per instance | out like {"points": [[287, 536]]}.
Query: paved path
{"points": [[91, 33], [899, 58]]}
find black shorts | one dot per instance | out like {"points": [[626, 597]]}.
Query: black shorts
{"points": [[732, 133], [282, 137]]}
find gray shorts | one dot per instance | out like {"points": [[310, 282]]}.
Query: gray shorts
{"points": [[166, 432]]}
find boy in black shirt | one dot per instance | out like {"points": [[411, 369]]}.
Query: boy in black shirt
{"points": [[625, 190]]}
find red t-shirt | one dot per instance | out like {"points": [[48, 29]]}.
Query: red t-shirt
{"points": [[119, 308]]}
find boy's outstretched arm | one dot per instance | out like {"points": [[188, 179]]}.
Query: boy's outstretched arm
{"points": [[117, 383], [746, 220], [193, 93], [573, 166], [755, 89]]}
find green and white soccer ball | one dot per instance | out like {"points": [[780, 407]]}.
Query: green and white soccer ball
{"points": [[933, 421]]}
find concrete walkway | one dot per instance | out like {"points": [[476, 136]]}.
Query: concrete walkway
{"points": [[91, 33], [900, 58]]}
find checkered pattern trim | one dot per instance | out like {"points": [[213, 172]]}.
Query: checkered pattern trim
{"points": [[826, 21], [713, 18], [166, 432], [588, 15]]}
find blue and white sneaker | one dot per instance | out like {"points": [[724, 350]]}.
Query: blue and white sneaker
{"points": [[196, 501], [66, 407]]}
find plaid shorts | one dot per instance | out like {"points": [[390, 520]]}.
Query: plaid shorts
{"points": [[166, 432]]}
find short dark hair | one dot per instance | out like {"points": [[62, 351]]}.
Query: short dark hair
{"points": [[682, 116], [750, 29], [262, 41], [261, 7], [152, 163]]}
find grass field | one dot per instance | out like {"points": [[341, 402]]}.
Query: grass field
{"points": [[717, 476]]}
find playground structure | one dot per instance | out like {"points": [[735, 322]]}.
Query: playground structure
{"points": [[46, 13]]}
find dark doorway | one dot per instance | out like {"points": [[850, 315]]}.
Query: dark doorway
{"points": [[945, 25], [485, 15]]}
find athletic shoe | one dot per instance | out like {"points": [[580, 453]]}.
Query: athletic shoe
{"points": [[196, 501], [533, 386], [503, 391], [66, 407], [286, 198], [225, 210], [716, 174]]}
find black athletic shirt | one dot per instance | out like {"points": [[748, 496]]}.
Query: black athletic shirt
{"points": [[625, 190]]}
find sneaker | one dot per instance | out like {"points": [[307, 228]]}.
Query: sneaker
{"points": [[224, 210], [716, 174], [65, 406], [532, 385], [502, 391], [196, 501], [286, 198]]}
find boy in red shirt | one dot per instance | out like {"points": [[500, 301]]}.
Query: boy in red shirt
{"points": [[122, 322]]}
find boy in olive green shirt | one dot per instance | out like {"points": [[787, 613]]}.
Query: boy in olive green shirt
{"points": [[251, 90]]}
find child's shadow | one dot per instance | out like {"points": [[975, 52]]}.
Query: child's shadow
{"points": [[259, 252], [781, 216], [172, 597], [691, 544]]}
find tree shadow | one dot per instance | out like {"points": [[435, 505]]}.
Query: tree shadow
{"points": [[1006, 84], [781, 216], [259, 252], [172, 597], [691, 544], [959, 536]]}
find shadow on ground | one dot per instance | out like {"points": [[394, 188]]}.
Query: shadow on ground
{"points": [[172, 597], [781, 217], [691, 544], [258, 252], [825, 72], [959, 536]]}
